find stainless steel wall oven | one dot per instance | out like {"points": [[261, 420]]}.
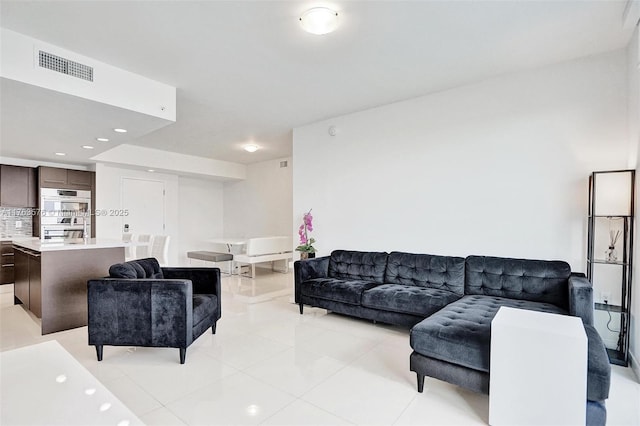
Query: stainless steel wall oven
{"points": [[65, 214]]}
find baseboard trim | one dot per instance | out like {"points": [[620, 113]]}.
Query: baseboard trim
{"points": [[635, 366]]}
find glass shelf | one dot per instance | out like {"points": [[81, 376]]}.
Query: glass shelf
{"points": [[605, 262], [608, 307], [612, 192], [616, 357]]}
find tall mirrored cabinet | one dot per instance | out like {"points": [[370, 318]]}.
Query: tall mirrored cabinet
{"points": [[610, 257]]}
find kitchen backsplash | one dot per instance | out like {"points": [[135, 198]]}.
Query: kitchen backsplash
{"points": [[15, 222]]}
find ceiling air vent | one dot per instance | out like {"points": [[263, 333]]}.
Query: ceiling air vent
{"points": [[283, 164], [65, 66]]}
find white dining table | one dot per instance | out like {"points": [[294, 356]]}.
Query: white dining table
{"points": [[229, 242]]}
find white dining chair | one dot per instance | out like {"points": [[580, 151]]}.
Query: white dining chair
{"points": [[142, 251], [160, 248], [128, 250]]}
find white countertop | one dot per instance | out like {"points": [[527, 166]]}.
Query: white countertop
{"points": [[17, 238], [93, 243]]}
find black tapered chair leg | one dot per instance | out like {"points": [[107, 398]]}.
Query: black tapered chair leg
{"points": [[213, 328], [420, 382], [301, 307], [183, 355], [99, 352]]}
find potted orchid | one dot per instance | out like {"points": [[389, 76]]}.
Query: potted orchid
{"points": [[306, 248]]}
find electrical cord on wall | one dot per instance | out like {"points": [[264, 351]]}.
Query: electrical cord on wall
{"points": [[609, 322]]}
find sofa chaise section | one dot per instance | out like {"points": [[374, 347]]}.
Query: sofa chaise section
{"points": [[454, 344]]}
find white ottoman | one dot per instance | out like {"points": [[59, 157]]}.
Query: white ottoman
{"points": [[538, 369]]}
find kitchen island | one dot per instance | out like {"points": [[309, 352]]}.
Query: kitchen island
{"points": [[51, 278]]}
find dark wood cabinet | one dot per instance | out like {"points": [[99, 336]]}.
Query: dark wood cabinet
{"points": [[35, 285], [18, 186], [6, 262], [28, 280], [52, 177], [32, 195], [21, 285], [78, 179]]}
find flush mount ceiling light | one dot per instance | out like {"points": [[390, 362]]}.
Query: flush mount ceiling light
{"points": [[87, 146], [120, 130], [60, 154], [251, 148], [319, 20], [102, 139]]}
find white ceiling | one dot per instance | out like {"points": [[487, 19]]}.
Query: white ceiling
{"points": [[246, 72]]}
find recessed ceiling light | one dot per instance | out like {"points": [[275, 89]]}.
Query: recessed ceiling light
{"points": [[251, 148], [87, 146], [60, 153], [319, 20], [151, 170], [120, 130], [102, 139]]}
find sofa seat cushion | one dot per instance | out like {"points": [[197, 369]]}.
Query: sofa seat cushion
{"points": [[204, 307], [345, 291], [407, 299], [460, 333], [598, 367]]}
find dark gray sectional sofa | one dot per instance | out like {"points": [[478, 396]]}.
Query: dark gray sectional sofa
{"points": [[449, 302]]}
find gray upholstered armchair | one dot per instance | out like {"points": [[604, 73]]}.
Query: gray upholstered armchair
{"points": [[142, 304]]}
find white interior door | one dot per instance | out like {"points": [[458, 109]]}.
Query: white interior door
{"points": [[144, 200]]}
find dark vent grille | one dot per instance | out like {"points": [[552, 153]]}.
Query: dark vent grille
{"points": [[283, 164], [65, 66]]}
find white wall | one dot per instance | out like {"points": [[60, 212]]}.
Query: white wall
{"points": [[200, 214], [633, 75], [496, 168], [260, 205], [109, 196], [193, 208]]}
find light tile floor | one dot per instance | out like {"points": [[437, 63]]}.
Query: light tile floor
{"points": [[269, 365]]}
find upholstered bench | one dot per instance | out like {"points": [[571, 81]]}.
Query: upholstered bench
{"points": [[210, 256]]}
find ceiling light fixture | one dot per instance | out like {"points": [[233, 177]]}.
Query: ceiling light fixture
{"points": [[151, 170], [251, 148], [87, 146], [60, 154], [319, 20], [120, 130], [102, 139]]}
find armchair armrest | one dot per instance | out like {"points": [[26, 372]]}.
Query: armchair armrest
{"points": [[140, 312], [581, 298], [308, 269]]}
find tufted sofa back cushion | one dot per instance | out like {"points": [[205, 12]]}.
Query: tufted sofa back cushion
{"points": [[534, 280], [425, 270], [358, 265], [140, 268]]}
